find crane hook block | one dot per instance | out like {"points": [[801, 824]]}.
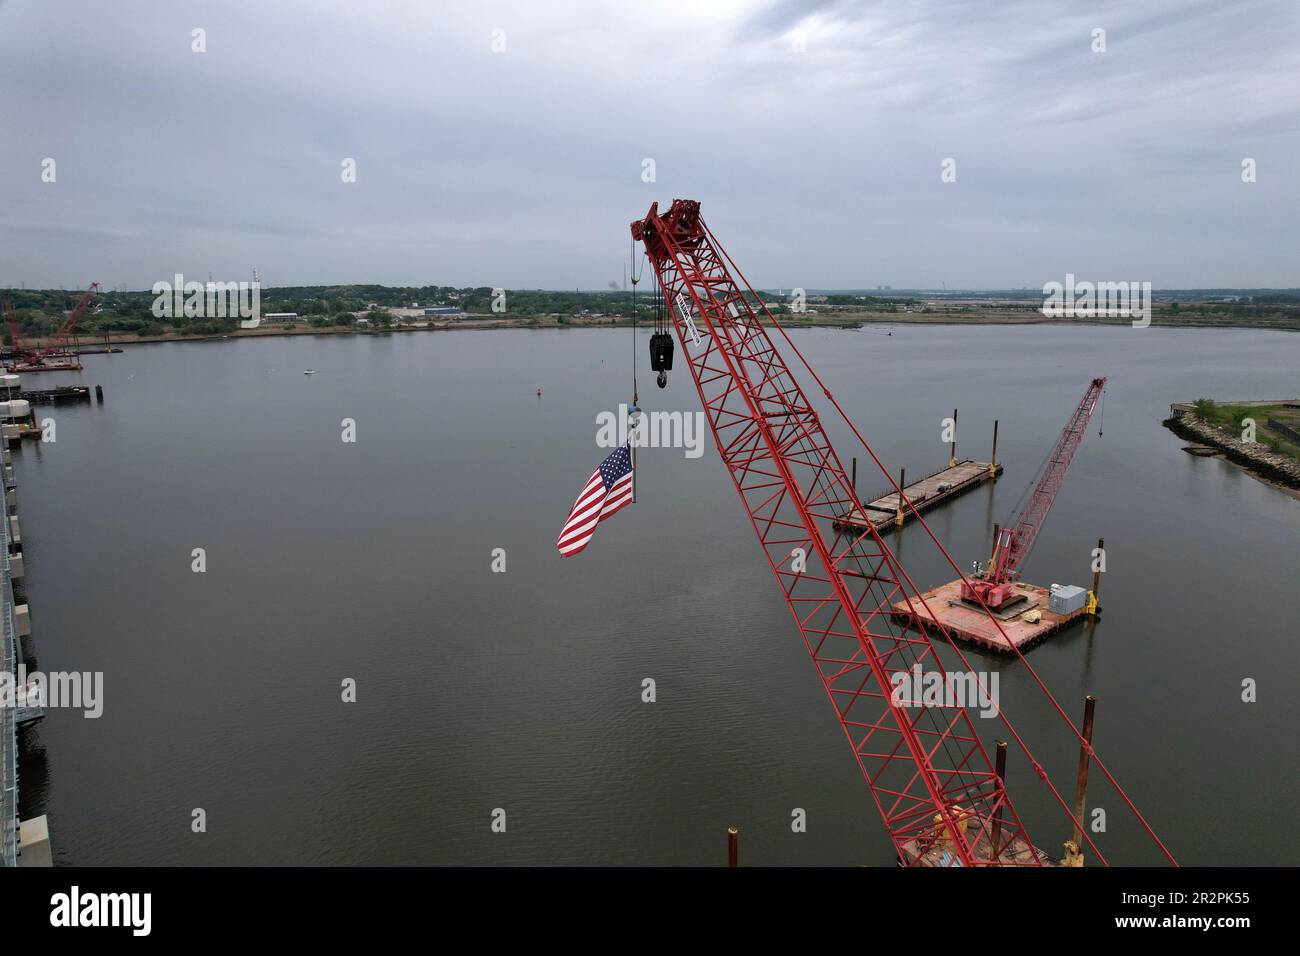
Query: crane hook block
{"points": [[661, 352]]}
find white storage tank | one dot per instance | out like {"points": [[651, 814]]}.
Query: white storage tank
{"points": [[17, 408]]}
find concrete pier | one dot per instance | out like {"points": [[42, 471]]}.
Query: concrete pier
{"points": [[34, 842], [9, 650], [27, 842]]}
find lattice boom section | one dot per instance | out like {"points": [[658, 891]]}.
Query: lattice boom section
{"points": [[922, 764], [1058, 463]]}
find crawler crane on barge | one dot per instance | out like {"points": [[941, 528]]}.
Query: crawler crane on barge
{"points": [[1012, 544]]}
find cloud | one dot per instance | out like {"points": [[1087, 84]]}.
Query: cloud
{"points": [[818, 168]]}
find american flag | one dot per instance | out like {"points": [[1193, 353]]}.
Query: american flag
{"points": [[607, 491]]}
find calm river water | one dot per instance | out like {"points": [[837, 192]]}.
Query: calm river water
{"points": [[521, 690]]}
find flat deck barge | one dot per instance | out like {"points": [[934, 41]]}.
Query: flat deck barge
{"points": [[968, 622], [931, 491]]}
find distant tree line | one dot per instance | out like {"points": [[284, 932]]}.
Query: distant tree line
{"points": [[40, 312]]}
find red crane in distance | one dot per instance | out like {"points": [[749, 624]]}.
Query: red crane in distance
{"points": [[63, 337], [15, 339], [61, 351]]}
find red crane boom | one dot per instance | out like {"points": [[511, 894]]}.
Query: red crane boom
{"points": [[15, 340], [941, 801], [927, 770], [1012, 544], [62, 338]]}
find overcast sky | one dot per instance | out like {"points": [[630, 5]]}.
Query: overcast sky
{"points": [[813, 133]]}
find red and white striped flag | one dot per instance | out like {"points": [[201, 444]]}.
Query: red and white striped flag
{"points": [[609, 490]]}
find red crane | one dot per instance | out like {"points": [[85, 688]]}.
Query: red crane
{"points": [[941, 800], [63, 336], [59, 354], [1011, 545], [15, 340]]}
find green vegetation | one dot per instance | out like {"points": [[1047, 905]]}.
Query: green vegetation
{"points": [[39, 312], [1267, 418]]}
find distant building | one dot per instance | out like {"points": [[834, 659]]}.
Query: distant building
{"points": [[280, 318], [429, 312]]}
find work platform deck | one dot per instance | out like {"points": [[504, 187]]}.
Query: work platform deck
{"points": [[925, 494], [969, 623], [938, 852]]}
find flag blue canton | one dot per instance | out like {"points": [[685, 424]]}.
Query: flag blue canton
{"points": [[616, 466], [607, 491]]}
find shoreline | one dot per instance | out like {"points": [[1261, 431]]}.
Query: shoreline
{"points": [[1280, 471], [848, 323]]}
